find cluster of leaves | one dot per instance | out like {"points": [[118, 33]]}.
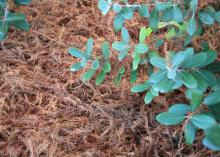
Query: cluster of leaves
{"points": [[86, 57], [10, 18], [195, 119], [182, 17], [198, 72]]}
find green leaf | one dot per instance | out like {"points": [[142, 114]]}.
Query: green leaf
{"points": [[76, 67], [167, 15], [160, 6], [117, 8], [120, 46], [106, 67], [3, 29], [158, 62], [217, 86], [164, 86], [153, 54], [196, 101], [95, 64], [190, 133], [213, 98], [144, 33], [208, 76], [2, 4], [88, 75], [215, 110], [123, 54], [127, 13], [159, 43], [203, 121], [118, 23], [104, 6], [200, 29], [177, 85], [22, 2], [136, 61], [89, 47], [119, 75], [143, 11], [214, 67], [205, 18], [154, 20], [171, 74], [187, 79], [83, 62], [195, 61], [148, 97], [213, 135], [217, 16], [180, 109], [125, 35], [191, 27], [15, 17], [203, 85], [158, 76], [177, 14], [188, 40], [210, 58], [100, 77], [210, 10], [171, 34], [194, 5], [105, 50], [77, 53], [22, 25], [153, 92], [168, 118], [207, 143], [133, 76], [178, 59], [141, 88], [141, 48]]}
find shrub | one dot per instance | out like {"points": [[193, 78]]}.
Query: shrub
{"points": [[10, 18], [195, 71]]}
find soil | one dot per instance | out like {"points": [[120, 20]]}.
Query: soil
{"points": [[46, 111]]}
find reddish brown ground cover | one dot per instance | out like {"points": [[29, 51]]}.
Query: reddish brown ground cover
{"points": [[46, 111]]}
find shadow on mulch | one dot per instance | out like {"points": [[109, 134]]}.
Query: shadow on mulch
{"points": [[46, 111]]}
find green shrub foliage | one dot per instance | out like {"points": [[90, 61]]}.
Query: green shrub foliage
{"points": [[197, 72], [10, 18]]}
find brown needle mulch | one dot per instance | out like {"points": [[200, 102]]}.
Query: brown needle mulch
{"points": [[46, 111]]}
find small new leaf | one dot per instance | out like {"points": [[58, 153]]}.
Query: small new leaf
{"points": [[89, 47], [88, 75], [104, 6], [141, 48], [77, 53]]}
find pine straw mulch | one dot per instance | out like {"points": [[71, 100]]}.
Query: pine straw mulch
{"points": [[46, 111]]}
